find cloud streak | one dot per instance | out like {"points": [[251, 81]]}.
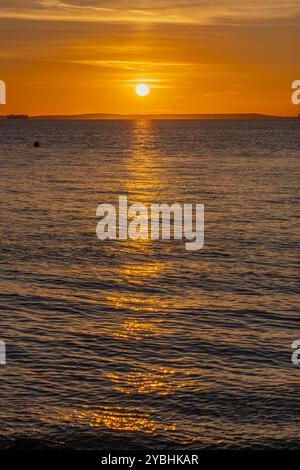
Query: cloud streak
{"points": [[153, 11]]}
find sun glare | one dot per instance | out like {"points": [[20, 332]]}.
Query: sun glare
{"points": [[142, 89]]}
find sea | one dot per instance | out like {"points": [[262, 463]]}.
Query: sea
{"points": [[141, 344]]}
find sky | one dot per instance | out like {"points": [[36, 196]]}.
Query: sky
{"points": [[204, 56]]}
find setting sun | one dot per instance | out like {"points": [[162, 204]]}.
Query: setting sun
{"points": [[142, 89]]}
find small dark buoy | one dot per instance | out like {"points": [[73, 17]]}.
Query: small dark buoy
{"points": [[36, 143]]}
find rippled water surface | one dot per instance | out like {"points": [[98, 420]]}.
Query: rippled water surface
{"points": [[134, 344]]}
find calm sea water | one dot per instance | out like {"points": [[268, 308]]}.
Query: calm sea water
{"points": [[140, 344]]}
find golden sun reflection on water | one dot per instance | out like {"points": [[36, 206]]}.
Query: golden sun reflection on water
{"points": [[136, 303], [116, 419], [145, 178], [138, 274], [142, 179], [136, 330], [155, 382], [140, 313]]}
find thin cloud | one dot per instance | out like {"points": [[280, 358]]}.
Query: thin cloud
{"points": [[170, 11]]}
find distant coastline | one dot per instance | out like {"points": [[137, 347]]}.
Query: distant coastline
{"points": [[99, 116]]}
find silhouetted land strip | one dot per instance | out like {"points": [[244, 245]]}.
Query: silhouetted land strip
{"points": [[253, 116]]}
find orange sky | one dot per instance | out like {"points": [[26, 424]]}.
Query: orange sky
{"points": [[85, 56]]}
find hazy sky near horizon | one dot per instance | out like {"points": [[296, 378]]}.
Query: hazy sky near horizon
{"points": [[81, 56]]}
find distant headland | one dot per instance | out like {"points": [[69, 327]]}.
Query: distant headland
{"points": [[103, 116], [17, 116]]}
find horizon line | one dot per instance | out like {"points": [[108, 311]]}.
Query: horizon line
{"points": [[116, 116]]}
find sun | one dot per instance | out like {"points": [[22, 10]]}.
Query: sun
{"points": [[142, 89]]}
